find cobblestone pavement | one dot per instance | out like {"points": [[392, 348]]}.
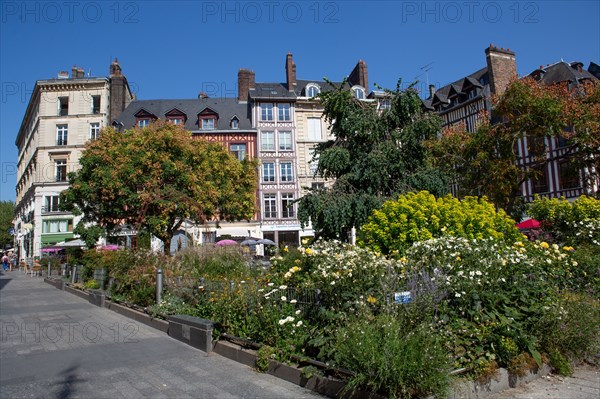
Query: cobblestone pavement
{"points": [[584, 384], [56, 345]]}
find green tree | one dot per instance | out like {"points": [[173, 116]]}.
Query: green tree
{"points": [[486, 162], [156, 177], [7, 214], [374, 157]]}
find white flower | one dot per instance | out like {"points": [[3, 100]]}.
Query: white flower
{"points": [[270, 284], [457, 294], [293, 301], [298, 311], [283, 298], [299, 323], [282, 322], [283, 287]]}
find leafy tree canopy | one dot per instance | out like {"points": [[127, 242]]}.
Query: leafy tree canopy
{"points": [[374, 157], [156, 177], [7, 214], [486, 162]]}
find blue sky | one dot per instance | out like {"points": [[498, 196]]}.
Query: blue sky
{"points": [[177, 49]]}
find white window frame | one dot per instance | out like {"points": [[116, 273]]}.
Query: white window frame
{"points": [[62, 134], [267, 140], [286, 172], [268, 169], [314, 89], [266, 111], [270, 206], [235, 123], [235, 149], [284, 112], [315, 130], [285, 140], [60, 165], [52, 203], [208, 123], [288, 210], [143, 122], [94, 131], [359, 92]]}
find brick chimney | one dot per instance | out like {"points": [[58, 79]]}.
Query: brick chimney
{"points": [[120, 94], [245, 83], [431, 91], [360, 76], [502, 68], [80, 73], [290, 72], [74, 72]]}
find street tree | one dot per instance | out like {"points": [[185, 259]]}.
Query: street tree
{"points": [[156, 177], [7, 214], [486, 162], [375, 156]]}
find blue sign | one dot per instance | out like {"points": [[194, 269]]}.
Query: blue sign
{"points": [[402, 297]]}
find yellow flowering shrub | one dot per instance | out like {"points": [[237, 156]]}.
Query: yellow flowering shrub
{"points": [[420, 216]]}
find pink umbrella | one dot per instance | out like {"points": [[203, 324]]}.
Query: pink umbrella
{"points": [[528, 224], [110, 247], [223, 243]]}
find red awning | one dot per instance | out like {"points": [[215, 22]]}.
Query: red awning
{"points": [[529, 224]]}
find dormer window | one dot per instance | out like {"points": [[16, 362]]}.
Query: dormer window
{"points": [[208, 123], [312, 90], [235, 123], [176, 117], [207, 119], [359, 92], [143, 118]]}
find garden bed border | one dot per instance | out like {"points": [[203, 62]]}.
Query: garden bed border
{"points": [[183, 328]]}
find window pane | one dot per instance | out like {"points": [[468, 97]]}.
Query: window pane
{"points": [[269, 172], [286, 172], [94, 131], [287, 206], [270, 206], [267, 140], [266, 112], [285, 141], [284, 112], [314, 129], [61, 134], [239, 150]]}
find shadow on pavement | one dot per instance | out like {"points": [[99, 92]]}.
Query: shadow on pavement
{"points": [[70, 378], [3, 282]]}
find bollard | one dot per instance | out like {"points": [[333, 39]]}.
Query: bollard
{"points": [[74, 274], [159, 283], [48, 269]]}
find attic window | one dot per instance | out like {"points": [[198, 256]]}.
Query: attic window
{"points": [[312, 90], [359, 92], [235, 123], [207, 123], [143, 122]]}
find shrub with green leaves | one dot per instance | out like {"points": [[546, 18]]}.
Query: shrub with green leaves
{"points": [[420, 216], [574, 222], [393, 359]]}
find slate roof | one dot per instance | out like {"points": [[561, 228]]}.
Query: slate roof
{"points": [[562, 72], [279, 91], [226, 108], [473, 79]]}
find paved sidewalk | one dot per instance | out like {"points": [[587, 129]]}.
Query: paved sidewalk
{"points": [[584, 384], [56, 345]]}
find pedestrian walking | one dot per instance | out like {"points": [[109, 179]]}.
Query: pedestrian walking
{"points": [[4, 261]]}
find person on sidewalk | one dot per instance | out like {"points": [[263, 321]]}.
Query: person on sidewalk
{"points": [[4, 261]]}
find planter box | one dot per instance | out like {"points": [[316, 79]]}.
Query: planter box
{"points": [[97, 297], [143, 318], [194, 331], [80, 294], [57, 283]]}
